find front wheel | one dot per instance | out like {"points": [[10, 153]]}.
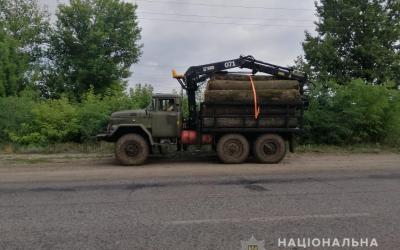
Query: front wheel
{"points": [[269, 148], [131, 149], [233, 148]]}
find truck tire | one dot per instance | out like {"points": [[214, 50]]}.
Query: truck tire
{"points": [[233, 148], [269, 148], [131, 150]]}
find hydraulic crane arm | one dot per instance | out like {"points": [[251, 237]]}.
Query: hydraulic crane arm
{"points": [[195, 75]]}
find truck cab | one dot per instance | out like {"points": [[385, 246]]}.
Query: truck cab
{"points": [[165, 113], [139, 132]]}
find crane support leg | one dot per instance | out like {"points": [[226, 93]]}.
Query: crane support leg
{"points": [[192, 109]]}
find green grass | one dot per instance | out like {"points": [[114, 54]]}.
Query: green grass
{"points": [[356, 148], [75, 148], [103, 148]]}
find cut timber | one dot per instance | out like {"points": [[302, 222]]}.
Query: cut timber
{"points": [[246, 85], [246, 97], [233, 77], [249, 122], [266, 110]]}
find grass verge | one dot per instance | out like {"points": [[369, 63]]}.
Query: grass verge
{"points": [[108, 148], [356, 148], [64, 148]]}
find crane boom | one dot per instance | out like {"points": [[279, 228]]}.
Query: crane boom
{"points": [[195, 75]]}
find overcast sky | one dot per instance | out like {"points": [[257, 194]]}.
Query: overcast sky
{"points": [[182, 33]]}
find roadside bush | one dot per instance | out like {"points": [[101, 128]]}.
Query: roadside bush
{"points": [[352, 113], [52, 121], [355, 113], [393, 120], [15, 112], [28, 120], [94, 111], [93, 115]]}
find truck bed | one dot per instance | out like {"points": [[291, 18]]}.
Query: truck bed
{"points": [[274, 117]]}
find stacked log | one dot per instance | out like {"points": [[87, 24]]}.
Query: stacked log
{"points": [[233, 77], [247, 96], [272, 122], [259, 85], [221, 110], [232, 95]]}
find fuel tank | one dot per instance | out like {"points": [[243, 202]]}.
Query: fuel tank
{"points": [[188, 137]]}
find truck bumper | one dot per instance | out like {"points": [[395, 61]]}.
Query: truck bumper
{"points": [[103, 137]]}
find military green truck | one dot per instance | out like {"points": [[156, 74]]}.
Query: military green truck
{"points": [[235, 122]]}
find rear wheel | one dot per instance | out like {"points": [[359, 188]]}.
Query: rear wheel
{"points": [[269, 148], [233, 148], [131, 149]]}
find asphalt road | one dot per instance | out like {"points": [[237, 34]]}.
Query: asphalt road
{"points": [[194, 211]]}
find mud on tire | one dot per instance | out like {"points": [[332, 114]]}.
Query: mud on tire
{"points": [[131, 150], [269, 148], [233, 148]]}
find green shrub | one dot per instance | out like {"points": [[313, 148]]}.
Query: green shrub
{"points": [[352, 113], [15, 113], [53, 121], [95, 110], [392, 125], [28, 120], [93, 115], [355, 113]]}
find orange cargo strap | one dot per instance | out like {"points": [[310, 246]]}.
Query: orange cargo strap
{"points": [[256, 107]]}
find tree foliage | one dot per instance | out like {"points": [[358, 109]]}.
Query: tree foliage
{"points": [[95, 109], [94, 43], [29, 120], [14, 112], [354, 63], [353, 113], [24, 35], [12, 65], [355, 39], [25, 21]]}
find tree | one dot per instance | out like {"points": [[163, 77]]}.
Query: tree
{"points": [[355, 39], [94, 43], [25, 30], [141, 95], [12, 66]]}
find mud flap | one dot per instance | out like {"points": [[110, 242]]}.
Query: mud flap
{"points": [[291, 143]]}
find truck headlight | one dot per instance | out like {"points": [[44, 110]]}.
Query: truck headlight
{"points": [[109, 127], [112, 128]]}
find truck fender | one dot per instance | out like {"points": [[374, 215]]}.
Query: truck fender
{"points": [[122, 129]]}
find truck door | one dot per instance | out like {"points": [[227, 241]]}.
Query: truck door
{"points": [[166, 118]]}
